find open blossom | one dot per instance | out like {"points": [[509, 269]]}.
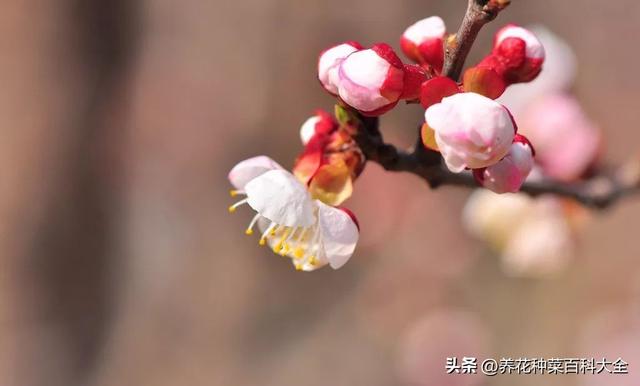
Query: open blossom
{"points": [[517, 55], [329, 63], [292, 223], [372, 80], [423, 41], [471, 131], [508, 174]]}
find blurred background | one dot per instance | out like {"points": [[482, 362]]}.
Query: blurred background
{"points": [[119, 264]]}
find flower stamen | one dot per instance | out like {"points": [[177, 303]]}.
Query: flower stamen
{"points": [[233, 207], [267, 233], [249, 230], [234, 193]]}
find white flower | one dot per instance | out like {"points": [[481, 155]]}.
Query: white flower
{"points": [[293, 224], [472, 131]]}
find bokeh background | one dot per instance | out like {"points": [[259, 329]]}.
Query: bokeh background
{"points": [[119, 264]]}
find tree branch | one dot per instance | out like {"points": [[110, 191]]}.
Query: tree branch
{"points": [[457, 47], [600, 191]]}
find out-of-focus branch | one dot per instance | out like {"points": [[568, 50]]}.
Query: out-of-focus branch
{"points": [[599, 191], [457, 47]]}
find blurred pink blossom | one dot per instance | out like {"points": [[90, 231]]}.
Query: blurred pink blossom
{"points": [[437, 336], [566, 141]]}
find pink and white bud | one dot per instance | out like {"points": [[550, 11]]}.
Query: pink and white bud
{"points": [[517, 55], [321, 123], [508, 175], [329, 63], [471, 130], [372, 80], [422, 42]]}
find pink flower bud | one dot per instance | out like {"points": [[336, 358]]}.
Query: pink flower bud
{"points": [[372, 80], [517, 55], [329, 63], [423, 42], [508, 175], [321, 123], [471, 131]]}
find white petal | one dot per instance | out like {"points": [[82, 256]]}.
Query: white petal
{"points": [[281, 198], [534, 48], [339, 234], [430, 28], [251, 168], [365, 68], [308, 129], [328, 65]]}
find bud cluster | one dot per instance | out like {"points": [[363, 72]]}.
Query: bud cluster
{"points": [[463, 122]]}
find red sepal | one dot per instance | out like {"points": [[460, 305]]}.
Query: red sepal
{"points": [[432, 52], [524, 140], [414, 76], [434, 89], [386, 52], [352, 215], [483, 81]]}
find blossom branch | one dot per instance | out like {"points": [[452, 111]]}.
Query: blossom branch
{"points": [[599, 191], [457, 47]]}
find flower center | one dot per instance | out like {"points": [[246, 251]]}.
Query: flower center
{"points": [[301, 244]]}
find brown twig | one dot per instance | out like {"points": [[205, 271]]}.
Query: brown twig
{"points": [[457, 47], [600, 191]]}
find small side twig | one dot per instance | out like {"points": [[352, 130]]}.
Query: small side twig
{"points": [[457, 47]]}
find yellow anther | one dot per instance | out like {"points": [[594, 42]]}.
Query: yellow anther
{"points": [[298, 253], [298, 267], [277, 248], [313, 260], [262, 241], [233, 193], [248, 232], [232, 209]]}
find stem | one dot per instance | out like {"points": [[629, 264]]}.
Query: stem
{"points": [[598, 192], [457, 47]]}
